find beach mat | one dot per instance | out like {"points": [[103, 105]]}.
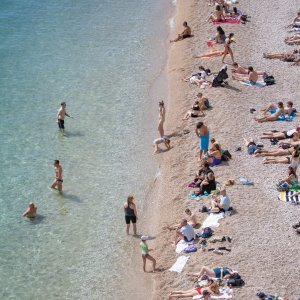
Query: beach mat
{"points": [[228, 20], [257, 85], [179, 264], [287, 196], [212, 220], [225, 293]]}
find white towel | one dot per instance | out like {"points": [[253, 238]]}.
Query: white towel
{"points": [[181, 246], [179, 264], [212, 220]]}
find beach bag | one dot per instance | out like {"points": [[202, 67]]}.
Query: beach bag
{"points": [[226, 155], [244, 18], [235, 282], [207, 232], [269, 79], [190, 248]]}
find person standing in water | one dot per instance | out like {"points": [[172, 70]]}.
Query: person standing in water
{"points": [[161, 118], [61, 116], [30, 212], [58, 181], [130, 214]]}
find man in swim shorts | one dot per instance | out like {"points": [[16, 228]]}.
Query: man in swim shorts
{"points": [[187, 32], [252, 76], [61, 116], [58, 181]]}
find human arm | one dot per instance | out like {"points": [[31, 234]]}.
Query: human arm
{"points": [[197, 133], [135, 211], [25, 213]]}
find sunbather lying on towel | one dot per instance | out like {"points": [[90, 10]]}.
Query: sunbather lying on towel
{"points": [[252, 76], [296, 62], [199, 77], [280, 135], [218, 272], [293, 40], [239, 70], [212, 288], [293, 161], [272, 107], [194, 112], [294, 141], [280, 111], [192, 220], [292, 179], [289, 57], [277, 152], [251, 146], [218, 14]]}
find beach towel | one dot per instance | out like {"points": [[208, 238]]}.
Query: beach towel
{"points": [[257, 85], [204, 142], [229, 20], [285, 197], [179, 264], [225, 293], [181, 246], [212, 220], [286, 118]]}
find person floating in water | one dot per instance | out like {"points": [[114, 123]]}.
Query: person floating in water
{"points": [[61, 116], [58, 181], [30, 212]]}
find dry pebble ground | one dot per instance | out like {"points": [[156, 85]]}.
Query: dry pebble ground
{"points": [[265, 249]]}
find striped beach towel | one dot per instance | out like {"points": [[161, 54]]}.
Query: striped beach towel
{"points": [[287, 196]]}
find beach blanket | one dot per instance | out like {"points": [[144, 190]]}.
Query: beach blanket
{"points": [[179, 264], [286, 118], [257, 85], [228, 20], [181, 246], [212, 220], [226, 293], [285, 197]]}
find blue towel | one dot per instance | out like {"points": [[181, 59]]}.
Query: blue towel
{"points": [[204, 142]]}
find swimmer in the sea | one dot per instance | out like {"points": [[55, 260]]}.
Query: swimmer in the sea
{"points": [[58, 181], [30, 212], [60, 117]]}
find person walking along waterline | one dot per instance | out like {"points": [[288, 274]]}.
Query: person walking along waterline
{"points": [[161, 119], [145, 253], [61, 116], [58, 181], [130, 214]]}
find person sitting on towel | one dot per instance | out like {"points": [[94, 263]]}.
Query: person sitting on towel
{"points": [[192, 220], [252, 76], [280, 112], [207, 185], [184, 232], [271, 108], [221, 205], [217, 272], [236, 68]]}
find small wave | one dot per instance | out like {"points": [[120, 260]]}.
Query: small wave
{"points": [[172, 22], [174, 2]]}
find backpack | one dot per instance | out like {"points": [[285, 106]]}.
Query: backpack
{"points": [[235, 282], [269, 79], [207, 232], [206, 102], [190, 248], [226, 155]]}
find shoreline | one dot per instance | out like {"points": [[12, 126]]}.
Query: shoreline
{"points": [[178, 165]]}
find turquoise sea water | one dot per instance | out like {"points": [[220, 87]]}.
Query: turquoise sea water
{"points": [[101, 57]]}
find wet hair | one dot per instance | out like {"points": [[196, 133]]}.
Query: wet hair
{"points": [[56, 161], [199, 125], [280, 104], [220, 30], [250, 69], [290, 103], [161, 103], [63, 103], [218, 7], [184, 23]]}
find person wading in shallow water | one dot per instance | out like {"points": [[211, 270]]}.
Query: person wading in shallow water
{"points": [[130, 214], [58, 181], [61, 116]]}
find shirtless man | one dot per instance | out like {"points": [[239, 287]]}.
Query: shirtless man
{"points": [[236, 68], [218, 14], [61, 116], [252, 76], [186, 33], [58, 176], [30, 212], [192, 220]]}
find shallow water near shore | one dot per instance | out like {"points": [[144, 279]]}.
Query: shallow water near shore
{"points": [[102, 59]]}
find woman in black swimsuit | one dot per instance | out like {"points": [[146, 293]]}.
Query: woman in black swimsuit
{"points": [[194, 112], [130, 214]]}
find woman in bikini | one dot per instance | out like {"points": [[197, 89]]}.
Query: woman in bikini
{"points": [[211, 287], [58, 181], [227, 48], [293, 134], [214, 155]]}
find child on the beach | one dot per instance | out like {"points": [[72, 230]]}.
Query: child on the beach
{"points": [[161, 140], [145, 253]]}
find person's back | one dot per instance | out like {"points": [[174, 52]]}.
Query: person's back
{"points": [[188, 232], [225, 202]]}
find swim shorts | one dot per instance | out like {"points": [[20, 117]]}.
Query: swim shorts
{"points": [[61, 124], [130, 218]]}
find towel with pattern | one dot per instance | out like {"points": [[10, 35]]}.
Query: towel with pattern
{"points": [[287, 196]]}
